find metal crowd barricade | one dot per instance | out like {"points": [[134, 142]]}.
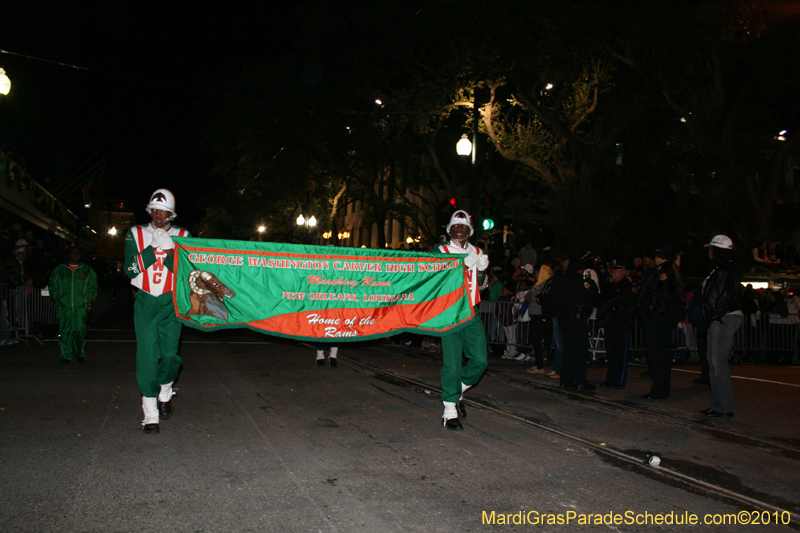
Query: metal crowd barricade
{"points": [[763, 337], [24, 309], [493, 314]]}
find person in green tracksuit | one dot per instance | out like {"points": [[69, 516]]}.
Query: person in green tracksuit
{"points": [[73, 288], [149, 253]]}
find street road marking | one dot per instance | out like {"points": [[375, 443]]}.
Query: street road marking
{"points": [[743, 377]]}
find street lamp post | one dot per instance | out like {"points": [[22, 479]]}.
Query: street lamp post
{"points": [[464, 148]]}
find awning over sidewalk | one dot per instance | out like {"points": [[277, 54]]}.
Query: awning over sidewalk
{"points": [[21, 195]]}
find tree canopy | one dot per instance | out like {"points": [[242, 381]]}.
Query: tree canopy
{"points": [[617, 124]]}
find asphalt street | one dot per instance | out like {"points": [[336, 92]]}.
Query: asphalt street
{"points": [[262, 439]]}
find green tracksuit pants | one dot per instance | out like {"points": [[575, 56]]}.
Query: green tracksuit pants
{"points": [[471, 342], [72, 329], [157, 336]]}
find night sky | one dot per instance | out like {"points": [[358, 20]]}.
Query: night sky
{"points": [[138, 105]]}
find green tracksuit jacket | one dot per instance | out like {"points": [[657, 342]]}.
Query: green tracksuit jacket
{"points": [[72, 292]]}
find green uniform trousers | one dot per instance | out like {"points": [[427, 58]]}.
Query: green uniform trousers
{"points": [[72, 329], [157, 336], [471, 342]]}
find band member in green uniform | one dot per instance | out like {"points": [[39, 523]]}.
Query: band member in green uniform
{"points": [[149, 254], [471, 340]]}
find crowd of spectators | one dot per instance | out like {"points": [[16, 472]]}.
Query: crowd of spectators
{"points": [[522, 262]]}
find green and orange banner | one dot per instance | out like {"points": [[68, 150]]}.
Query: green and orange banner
{"points": [[318, 293]]}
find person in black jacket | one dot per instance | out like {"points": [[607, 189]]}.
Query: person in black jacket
{"points": [[722, 317], [616, 315], [573, 296], [662, 305]]}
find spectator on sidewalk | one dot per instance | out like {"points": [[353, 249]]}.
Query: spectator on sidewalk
{"points": [[17, 266], [73, 288], [759, 256], [574, 295], [527, 253], [539, 332], [722, 318], [616, 314], [662, 305], [505, 317]]}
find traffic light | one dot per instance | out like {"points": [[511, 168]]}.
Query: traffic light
{"points": [[486, 213], [453, 203]]}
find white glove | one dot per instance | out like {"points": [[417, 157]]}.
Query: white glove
{"points": [[158, 238], [483, 261], [166, 242], [471, 260]]}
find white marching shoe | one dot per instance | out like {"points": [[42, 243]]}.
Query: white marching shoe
{"points": [[165, 401], [332, 356]]}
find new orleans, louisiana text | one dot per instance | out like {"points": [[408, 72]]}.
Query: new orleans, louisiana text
{"points": [[535, 518], [347, 297]]}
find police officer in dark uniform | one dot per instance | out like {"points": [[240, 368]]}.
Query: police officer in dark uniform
{"points": [[616, 315], [662, 304], [573, 295]]}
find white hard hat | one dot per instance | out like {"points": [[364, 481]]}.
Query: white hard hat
{"points": [[164, 200], [460, 217]]}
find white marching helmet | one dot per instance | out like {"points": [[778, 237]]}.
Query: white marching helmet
{"points": [[460, 217], [164, 200]]}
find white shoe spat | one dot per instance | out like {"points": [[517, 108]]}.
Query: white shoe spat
{"points": [[166, 393], [150, 408], [449, 411]]}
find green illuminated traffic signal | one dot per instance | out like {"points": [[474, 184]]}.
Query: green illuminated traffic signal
{"points": [[486, 213]]}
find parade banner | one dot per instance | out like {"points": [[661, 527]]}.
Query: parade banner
{"points": [[318, 293]]}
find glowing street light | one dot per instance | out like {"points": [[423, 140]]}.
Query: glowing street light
{"points": [[112, 230], [309, 222], [464, 145], [262, 229], [5, 83]]}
